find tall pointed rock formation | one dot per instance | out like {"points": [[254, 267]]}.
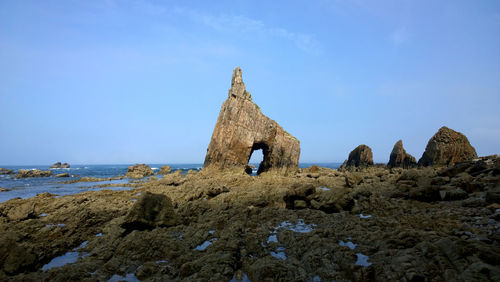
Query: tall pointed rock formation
{"points": [[242, 128], [400, 158]]}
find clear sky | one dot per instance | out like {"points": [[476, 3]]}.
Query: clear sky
{"points": [[124, 81]]}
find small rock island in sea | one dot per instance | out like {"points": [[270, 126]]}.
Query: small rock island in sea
{"points": [[437, 219]]}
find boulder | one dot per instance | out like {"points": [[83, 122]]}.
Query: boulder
{"points": [[165, 169], [400, 158], [63, 175], [139, 171], [60, 165], [447, 147], [361, 156], [22, 212], [150, 211], [25, 173], [241, 129], [6, 171]]}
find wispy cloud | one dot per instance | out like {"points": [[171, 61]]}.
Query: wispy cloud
{"points": [[243, 24], [400, 36]]}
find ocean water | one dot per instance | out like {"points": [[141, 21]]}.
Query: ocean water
{"points": [[30, 187]]}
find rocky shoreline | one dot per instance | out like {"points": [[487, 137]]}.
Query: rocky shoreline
{"points": [[415, 224]]}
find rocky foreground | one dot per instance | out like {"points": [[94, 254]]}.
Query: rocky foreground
{"points": [[421, 224]]}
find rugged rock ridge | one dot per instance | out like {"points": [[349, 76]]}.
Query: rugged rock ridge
{"points": [[447, 147], [242, 128], [361, 156], [400, 158]]}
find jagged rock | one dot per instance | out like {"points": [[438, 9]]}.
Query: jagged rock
{"points": [[165, 169], [361, 156], [60, 165], [139, 171], [400, 158], [150, 211], [6, 171], [25, 173], [447, 147], [242, 128], [63, 175]]}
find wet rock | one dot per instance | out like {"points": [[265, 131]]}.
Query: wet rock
{"points": [[361, 156], [60, 165], [165, 169], [447, 147], [4, 189], [242, 129], [6, 171], [150, 211], [139, 171], [63, 175], [493, 196], [25, 173], [400, 158]]}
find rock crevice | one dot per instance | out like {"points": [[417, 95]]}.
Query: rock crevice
{"points": [[241, 129]]}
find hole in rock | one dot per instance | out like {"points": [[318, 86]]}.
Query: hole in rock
{"points": [[256, 158]]}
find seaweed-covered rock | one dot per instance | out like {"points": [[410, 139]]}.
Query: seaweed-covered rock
{"points": [[139, 171], [447, 147], [400, 158], [25, 173]]}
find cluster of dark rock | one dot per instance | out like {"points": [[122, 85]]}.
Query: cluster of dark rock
{"points": [[447, 147], [60, 165]]}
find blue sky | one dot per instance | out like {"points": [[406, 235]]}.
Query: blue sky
{"points": [[143, 81]]}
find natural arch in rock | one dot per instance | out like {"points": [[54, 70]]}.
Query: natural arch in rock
{"points": [[241, 129]]}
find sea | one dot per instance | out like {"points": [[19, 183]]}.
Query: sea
{"points": [[30, 187]]}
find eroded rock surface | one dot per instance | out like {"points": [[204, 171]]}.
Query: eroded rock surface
{"points": [[447, 147], [361, 156], [25, 173], [242, 128], [418, 224], [400, 158], [139, 171]]}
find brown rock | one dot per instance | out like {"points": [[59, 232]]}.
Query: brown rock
{"points": [[60, 165], [447, 147], [150, 211], [139, 171], [400, 158], [6, 171], [165, 169], [22, 212], [25, 173], [361, 156], [242, 128], [63, 174]]}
